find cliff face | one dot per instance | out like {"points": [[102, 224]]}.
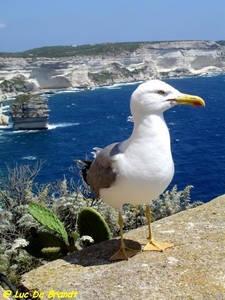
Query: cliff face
{"points": [[149, 60], [29, 112], [4, 120]]}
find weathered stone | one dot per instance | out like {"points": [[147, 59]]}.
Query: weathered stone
{"points": [[29, 112], [16, 85], [178, 58], [3, 295], [194, 269], [4, 120]]}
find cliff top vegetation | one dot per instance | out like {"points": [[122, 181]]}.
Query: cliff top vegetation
{"points": [[73, 50], [82, 50]]}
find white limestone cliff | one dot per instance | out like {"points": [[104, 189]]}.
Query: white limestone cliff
{"points": [[167, 59], [4, 120]]}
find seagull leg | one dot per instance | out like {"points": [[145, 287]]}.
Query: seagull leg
{"points": [[152, 245], [124, 252]]}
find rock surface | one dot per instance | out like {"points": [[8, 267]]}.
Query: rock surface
{"points": [[165, 59], [15, 86], [4, 120], [194, 269], [29, 112]]}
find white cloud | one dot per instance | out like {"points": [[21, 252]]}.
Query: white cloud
{"points": [[2, 25]]}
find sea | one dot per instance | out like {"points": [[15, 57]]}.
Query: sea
{"points": [[83, 119]]}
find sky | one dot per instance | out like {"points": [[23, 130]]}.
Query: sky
{"points": [[28, 24]]}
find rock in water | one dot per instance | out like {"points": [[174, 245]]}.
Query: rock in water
{"points": [[29, 112], [4, 120]]}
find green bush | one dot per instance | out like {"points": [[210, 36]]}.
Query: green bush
{"points": [[103, 49], [101, 77]]}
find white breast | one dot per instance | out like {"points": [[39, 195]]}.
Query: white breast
{"points": [[144, 167]]}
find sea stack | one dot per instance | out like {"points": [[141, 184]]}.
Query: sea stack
{"points": [[29, 112]]}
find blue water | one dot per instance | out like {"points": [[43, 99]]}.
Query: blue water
{"points": [[81, 120]]}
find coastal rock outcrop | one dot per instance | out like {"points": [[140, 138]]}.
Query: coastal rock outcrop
{"points": [[87, 70], [4, 120], [17, 85], [29, 112]]}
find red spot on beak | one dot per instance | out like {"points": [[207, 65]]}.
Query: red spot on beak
{"points": [[197, 103]]}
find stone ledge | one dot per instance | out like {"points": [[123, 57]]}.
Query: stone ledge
{"points": [[194, 269]]}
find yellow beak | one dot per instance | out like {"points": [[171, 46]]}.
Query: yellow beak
{"points": [[190, 100]]}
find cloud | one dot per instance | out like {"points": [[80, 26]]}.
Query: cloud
{"points": [[2, 25]]}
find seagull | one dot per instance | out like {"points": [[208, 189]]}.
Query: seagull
{"points": [[140, 168]]}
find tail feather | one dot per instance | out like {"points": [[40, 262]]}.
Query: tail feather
{"points": [[85, 168]]}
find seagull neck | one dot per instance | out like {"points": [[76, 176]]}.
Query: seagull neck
{"points": [[151, 127]]}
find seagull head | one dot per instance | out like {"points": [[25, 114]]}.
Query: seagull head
{"points": [[156, 96]]}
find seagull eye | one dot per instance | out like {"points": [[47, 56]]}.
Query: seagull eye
{"points": [[161, 92]]}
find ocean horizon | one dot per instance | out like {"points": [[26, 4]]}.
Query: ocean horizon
{"points": [[83, 119]]}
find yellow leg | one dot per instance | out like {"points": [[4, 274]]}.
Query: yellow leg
{"points": [[152, 245], [124, 252]]}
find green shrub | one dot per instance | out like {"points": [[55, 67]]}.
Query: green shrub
{"points": [[101, 77]]}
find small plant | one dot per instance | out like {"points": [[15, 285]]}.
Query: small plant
{"points": [[14, 260], [172, 202], [45, 245], [91, 223], [48, 246], [47, 218]]}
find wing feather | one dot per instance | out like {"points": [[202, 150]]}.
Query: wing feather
{"points": [[101, 173]]}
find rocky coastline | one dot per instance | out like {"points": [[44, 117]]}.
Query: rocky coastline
{"points": [[149, 60], [35, 75]]}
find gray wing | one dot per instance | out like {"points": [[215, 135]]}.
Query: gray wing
{"points": [[101, 174]]}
